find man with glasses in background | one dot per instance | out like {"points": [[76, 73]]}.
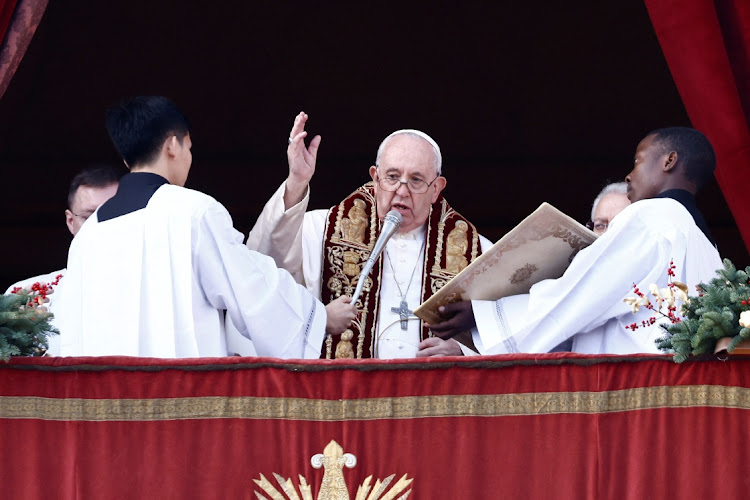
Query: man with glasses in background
{"points": [[89, 188], [610, 201], [325, 249]]}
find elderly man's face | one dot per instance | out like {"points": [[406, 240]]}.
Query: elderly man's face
{"points": [[85, 202], [407, 157], [609, 206]]}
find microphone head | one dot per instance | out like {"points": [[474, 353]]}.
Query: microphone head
{"points": [[393, 217]]}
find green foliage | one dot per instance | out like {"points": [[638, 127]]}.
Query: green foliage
{"points": [[23, 328], [712, 314]]}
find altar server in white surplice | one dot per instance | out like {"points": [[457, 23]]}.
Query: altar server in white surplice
{"points": [[662, 225], [150, 273], [325, 249]]}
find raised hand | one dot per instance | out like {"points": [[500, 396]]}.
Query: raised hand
{"points": [[301, 161], [460, 319], [339, 314]]}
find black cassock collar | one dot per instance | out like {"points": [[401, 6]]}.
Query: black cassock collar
{"points": [[687, 200], [136, 189]]}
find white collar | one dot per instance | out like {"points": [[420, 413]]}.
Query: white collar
{"points": [[414, 234]]}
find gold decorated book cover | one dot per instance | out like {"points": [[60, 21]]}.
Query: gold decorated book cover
{"points": [[540, 247]]}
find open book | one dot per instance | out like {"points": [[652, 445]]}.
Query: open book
{"points": [[540, 247]]}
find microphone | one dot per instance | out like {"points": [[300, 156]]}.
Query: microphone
{"points": [[391, 223]]}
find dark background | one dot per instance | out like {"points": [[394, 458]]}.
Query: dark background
{"points": [[529, 101]]}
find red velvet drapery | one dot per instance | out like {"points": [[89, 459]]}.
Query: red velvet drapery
{"points": [[6, 13], [707, 46], [18, 22], [519, 426]]}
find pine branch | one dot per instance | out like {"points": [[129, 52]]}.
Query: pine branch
{"points": [[711, 315]]}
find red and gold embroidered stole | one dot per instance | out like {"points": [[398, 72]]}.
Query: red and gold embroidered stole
{"points": [[351, 231]]}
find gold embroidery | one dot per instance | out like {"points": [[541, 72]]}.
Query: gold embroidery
{"points": [[333, 486], [324, 410], [444, 213], [329, 344], [360, 343], [456, 246], [286, 485], [359, 326], [474, 246], [353, 227], [335, 286], [345, 266], [336, 237], [352, 267], [379, 488], [344, 349], [438, 283], [333, 459]]}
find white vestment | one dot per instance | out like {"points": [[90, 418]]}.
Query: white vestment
{"points": [[155, 282], [53, 340], [294, 238], [587, 301]]}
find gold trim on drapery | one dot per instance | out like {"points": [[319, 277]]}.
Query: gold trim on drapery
{"points": [[324, 410]]}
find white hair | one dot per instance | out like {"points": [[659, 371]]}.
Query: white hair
{"points": [[614, 188], [414, 133]]}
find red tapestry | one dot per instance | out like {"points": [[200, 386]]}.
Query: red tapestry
{"points": [[517, 426], [6, 13]]}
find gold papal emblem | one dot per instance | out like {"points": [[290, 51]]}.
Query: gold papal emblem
{"points": [[333, 487]]}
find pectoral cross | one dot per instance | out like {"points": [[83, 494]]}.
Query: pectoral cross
{"points": [[403, 312]]}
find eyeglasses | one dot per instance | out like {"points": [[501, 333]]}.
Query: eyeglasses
{"points": [[83, 217], [598, 226], [392, 182]]}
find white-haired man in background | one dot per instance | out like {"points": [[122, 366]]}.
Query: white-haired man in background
{"points": [[610, 201]]}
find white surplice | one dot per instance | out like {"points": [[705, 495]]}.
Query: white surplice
{"points": [[154, 283], [53, 340], [586, 303], [294, 238]]}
